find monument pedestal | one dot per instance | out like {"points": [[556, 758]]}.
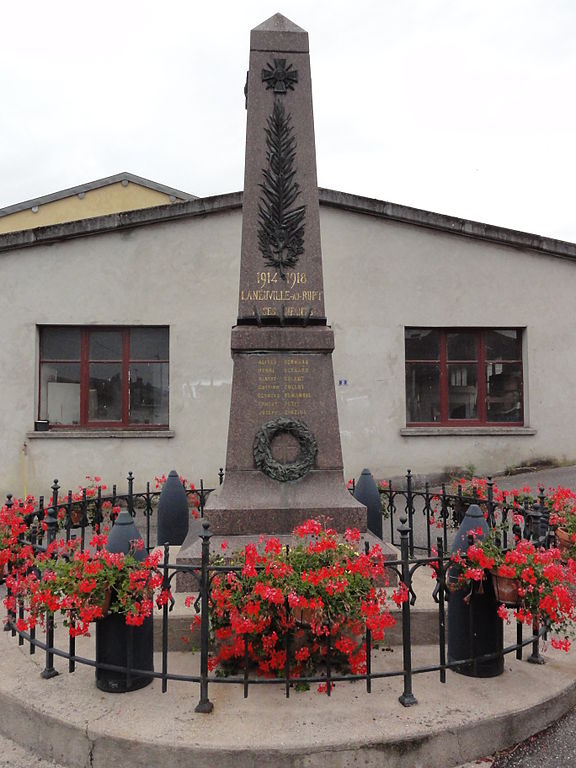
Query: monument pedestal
{"points": [[284, 372]]}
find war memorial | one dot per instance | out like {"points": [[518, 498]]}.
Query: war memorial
{"points": [[408, 704]]}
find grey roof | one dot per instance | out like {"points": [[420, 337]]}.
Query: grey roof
{"points": [[119, 177], [201, 206]]}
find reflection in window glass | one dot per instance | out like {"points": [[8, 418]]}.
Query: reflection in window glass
{"points": [[149, 344], [422, 393], [462, 392], [422, 344], [99, 377], [504, 392], [461, 346], [106, 345], [503, 345], [464, 377], [105, 392], [60, 344], [60, 393], [149, 393]]}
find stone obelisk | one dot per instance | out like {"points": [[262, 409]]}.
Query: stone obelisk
{"points": [[284, 458]]}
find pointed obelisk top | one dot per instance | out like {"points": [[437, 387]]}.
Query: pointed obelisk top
{"points": [[279, 34], [281, 262]]}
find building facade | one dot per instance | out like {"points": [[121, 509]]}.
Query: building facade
{"points": [[454, 342]]}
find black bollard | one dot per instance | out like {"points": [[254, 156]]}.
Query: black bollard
{"points": [[366, 492], [474, 627], [173, 512], [117, 643]]}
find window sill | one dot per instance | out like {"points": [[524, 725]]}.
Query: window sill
{"points": [[92, 434], [455, 431]]}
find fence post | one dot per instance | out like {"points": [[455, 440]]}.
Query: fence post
{"points": [[407, 699], [51, 530], [535, 657], [98, 517], [490, 503], [165, 609], [442, 609], [427, 510], [391, 511], [130, 479], [544, 515], [410, 510], [444, 516], [201, 498], [204, 705]]}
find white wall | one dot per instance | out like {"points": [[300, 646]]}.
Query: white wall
{"points": [[379, 277], [382, 276]]}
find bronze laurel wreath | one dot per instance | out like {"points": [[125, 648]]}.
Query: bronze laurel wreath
{"points": [[274, 469]]}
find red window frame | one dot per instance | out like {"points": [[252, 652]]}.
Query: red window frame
{"points": [[84, 362], [480, 362]]}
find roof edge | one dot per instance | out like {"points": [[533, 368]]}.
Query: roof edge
{"points": [[117, 221], [97, 184], [345, 201], [444, 223]]}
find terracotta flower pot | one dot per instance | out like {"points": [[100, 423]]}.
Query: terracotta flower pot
{"points": [[565, 543], [506, 589], [105, 604]]}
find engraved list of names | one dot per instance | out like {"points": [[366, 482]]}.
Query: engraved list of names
{"points": [[283, 387]]}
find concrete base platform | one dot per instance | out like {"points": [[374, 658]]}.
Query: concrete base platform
{"points": [[67, 719]]}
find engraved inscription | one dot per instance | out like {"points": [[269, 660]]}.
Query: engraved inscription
{"points": [[271, 290], [283, 385]]}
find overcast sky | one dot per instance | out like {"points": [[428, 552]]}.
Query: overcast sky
{"points": [[464, 107]]}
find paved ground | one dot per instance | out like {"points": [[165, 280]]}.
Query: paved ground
{"points": [[553, 748], [14, 756]]}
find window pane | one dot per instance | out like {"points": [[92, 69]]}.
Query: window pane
{"points": [[504, 392], [422, 393], [422, 344], [60, 344], [105, 392], [149, 393], [462, 392], [503, 345], [149, 344], [461, 346], [106, 345], [60, 393]]}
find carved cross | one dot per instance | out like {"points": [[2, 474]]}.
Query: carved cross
{"points": [[279, 76]]}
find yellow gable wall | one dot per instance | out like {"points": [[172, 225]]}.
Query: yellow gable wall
{"points": [[96, 202]]}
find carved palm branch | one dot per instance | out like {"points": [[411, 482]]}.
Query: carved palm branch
{"points": [[281, 226]]}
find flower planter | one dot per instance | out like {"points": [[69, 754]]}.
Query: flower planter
{"points": [[565, 543], [506, 590], [105, 604], [120, 645]]}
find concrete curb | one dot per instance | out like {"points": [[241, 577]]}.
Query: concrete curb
{"points": [[67, 719]]}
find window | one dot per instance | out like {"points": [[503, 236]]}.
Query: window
{"points": [[464, 377], [104, 377]]}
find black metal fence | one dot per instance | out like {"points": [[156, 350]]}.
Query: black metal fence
{"points": [[433, 512], [406, 510]]}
